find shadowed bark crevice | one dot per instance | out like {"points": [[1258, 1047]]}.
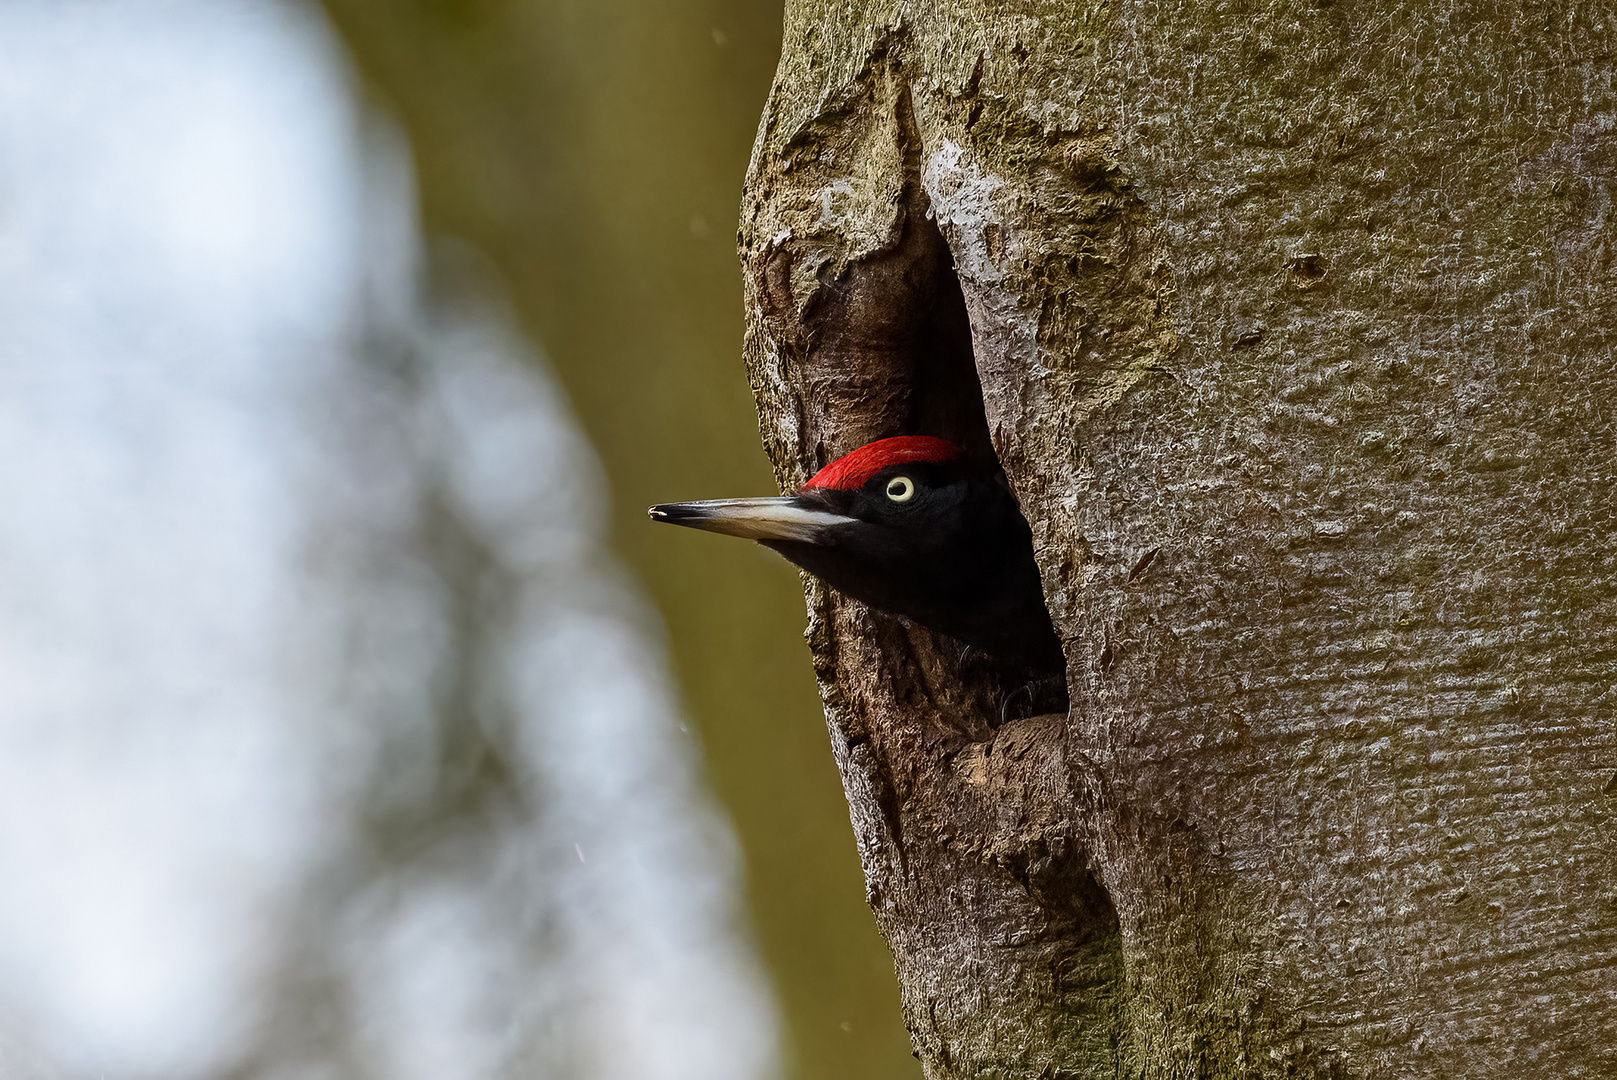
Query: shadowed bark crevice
{"points": [[875, 331]]}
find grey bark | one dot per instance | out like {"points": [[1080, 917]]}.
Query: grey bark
{"points": [[1293, 328]]}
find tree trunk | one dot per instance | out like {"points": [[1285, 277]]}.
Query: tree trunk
{"points": [[1292, 326]]}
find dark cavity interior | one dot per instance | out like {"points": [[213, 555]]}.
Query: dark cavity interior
{"points": [[890, 353]]}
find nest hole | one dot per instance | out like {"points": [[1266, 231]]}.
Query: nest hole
{"points": [[891, 353]]}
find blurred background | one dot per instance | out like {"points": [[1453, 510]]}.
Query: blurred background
{"points": [[354, 722]]}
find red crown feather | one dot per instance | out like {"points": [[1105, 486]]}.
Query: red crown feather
{"points": [[852, 470]]}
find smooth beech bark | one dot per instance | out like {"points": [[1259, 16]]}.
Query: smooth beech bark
{"points": [[1293, 326]]}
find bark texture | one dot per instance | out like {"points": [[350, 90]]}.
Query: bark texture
{"points": [[1293, 327]]}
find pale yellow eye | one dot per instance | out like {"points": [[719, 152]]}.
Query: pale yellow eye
{"points": [[901, 489]]}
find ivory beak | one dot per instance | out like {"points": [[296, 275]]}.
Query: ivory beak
{"points": [[779, 518]]}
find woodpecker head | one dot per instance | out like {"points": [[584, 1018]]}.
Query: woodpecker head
{"points": [[910, 525]]}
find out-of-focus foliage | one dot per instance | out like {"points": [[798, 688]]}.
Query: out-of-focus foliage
{"points": [[332, 741], [594, 150]]}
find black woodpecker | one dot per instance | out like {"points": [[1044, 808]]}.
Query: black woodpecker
{"points": [[914, 526]]}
